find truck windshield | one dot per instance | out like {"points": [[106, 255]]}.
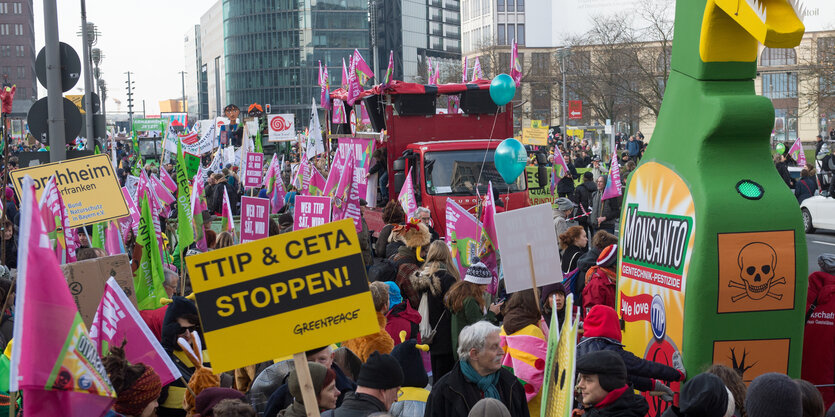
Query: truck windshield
{"points": [[456, 173]]}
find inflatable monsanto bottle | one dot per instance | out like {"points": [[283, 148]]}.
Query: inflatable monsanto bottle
{"points": [[712, 262]]}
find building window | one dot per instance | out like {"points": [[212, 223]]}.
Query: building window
{"points": [[502, 40], [520, 34], [510, 5], [4, 29], [18, 8], [500, 5], [18, 29], [21, 72], [19, 50], [511, 34], [780, 85], [520, 5], [4, 8], [21, 91], [778, 56]]}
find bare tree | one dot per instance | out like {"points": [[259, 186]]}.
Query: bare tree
{"points": [[818, 68]]}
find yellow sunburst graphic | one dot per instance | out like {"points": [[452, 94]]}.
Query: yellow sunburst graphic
{"points": [[655, 192]]}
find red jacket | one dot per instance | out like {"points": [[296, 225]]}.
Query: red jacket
{"points": [[818, 366], [599, 290], [154, 318], [403, 317]]}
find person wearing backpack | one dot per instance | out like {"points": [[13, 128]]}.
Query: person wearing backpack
{"points": [[599, 241], [439, 273]]}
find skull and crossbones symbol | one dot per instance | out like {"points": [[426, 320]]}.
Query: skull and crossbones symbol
{"points": [[757, 262]]}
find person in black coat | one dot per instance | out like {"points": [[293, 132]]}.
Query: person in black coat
{"points": [[439, 273], [478, 374], [602, 333], [582, 197], [806, 187], [601, 381], [379, 380], [565, 187], [783, 169]]}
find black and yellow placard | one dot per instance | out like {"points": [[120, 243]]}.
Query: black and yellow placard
{"points": [[282, 295], [88, 185]]}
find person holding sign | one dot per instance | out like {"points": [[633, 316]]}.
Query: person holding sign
{"points": [[465, 300], [478, 374]]}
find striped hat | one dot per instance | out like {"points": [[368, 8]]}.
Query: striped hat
{"points": [[608, 255], [478, 273]]}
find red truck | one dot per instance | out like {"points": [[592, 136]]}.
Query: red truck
{"points": [[450, 155]]}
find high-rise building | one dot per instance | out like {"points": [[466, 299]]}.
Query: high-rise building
{"points": [[192, 67], [273, 47], [416, 30], [17, 53], [212, 85]]}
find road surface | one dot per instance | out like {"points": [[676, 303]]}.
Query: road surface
{"points": [[822, 241]]}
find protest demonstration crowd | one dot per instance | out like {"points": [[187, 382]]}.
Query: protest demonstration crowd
{"points": [[349, 276]]}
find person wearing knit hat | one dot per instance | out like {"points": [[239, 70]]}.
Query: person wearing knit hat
{"points": [[411, 400], [565, 208], [703, 396], [772, 395], [552, 298], [602, 383], [379, 380], [818, 363], [137, 386], [209, 397], [324, 386], [601, 332], [465, 301], [489, 407], [401, 317], [600, 280]]}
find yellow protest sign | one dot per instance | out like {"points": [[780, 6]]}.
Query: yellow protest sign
{"points": [[534, 136], [282, 295], [88, 185], [560, 366], [537, 124]]}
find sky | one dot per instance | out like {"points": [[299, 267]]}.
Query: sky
{"points": [[143, 37]]}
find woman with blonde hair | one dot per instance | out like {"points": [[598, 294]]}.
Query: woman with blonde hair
{"points": [[432, 283]]}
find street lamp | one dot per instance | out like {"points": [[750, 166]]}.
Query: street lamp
{"points": [[562, 54]]}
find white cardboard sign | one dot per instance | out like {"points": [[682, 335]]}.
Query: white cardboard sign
{"points": [[516, 229]]}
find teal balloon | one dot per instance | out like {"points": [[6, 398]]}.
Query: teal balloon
{"points": [[502, 89], [510, 159], [781, 148]]}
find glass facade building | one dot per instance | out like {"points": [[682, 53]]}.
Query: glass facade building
{"points": [[272, 49]]}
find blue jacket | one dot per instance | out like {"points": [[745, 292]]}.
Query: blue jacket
{"points": [[633, 147]]}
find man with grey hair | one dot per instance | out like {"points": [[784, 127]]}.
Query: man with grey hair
{"points": [[171, 281], [478, 374], [425, 216]]}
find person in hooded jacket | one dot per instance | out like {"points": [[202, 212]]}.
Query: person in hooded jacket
{"points": [[703, 396], [401, 317], [600, 280], [602, 333], [602, 383], [599, 241], [411, 399], [818, 365], [552, 297], [180, 319], [438, 275]]}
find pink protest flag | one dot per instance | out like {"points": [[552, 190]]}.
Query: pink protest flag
{"points": [[554, 179], [169, 182], [362, 68], [407, 197], [354, 87], [364, 118], [462, 234], [613, 187], [198, 204], [464, 71], [117, 320], [228, 223], [389, 72], [154, 202], [559, 161], [339, 116], [277, 197], [429, 71], [349, 208], [162, 191], [132, 220], [55, 213], [800, 157], [317, 182], [515, 65], [113, 243], [344, 75], [346, 178], [477, 74], [54, 361], [437, 74], [335, 173], [487, 245]]}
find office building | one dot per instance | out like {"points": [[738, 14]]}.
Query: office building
{"points": [[17, 53], [416, 30], [212, 84], [192, 67]]}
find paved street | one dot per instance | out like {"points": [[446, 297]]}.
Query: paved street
{"points": [[823, 241]]}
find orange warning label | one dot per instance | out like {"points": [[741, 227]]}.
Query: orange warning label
{"points": [[752, 358], [756, 271]]}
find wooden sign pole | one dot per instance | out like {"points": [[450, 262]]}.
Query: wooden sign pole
{"points": [[311, 405], [533, 279]]}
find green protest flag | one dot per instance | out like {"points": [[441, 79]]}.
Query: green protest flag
{"points": [[148, 278], [96, 150], [137, 157], [97, 240], [185, 230], [259, 147]]}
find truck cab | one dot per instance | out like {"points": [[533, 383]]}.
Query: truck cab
{"points": [[446, 135]]}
